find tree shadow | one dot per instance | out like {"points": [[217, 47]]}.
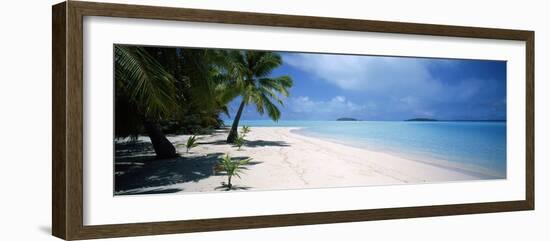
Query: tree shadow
{"points": [[219, 142], [224, 187], [134, 148], [137, 171], [262, 143], [144, 172], [153, 191], [248, 143]]}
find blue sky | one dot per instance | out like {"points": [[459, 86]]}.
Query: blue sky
{"points": [[329, 86]]}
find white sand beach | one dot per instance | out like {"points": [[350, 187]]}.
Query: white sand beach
{"points": [[281, 159]]}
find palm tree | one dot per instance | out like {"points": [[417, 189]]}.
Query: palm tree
{"points": [[162, 87], [202, 91], [251, 71], [145, 95]]}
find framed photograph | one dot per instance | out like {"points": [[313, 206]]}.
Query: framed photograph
{"points": [[171, 120]]}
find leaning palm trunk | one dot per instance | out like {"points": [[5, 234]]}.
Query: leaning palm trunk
{"points": [[251, 74], [233, 134], [163, 147], [146, 88]]}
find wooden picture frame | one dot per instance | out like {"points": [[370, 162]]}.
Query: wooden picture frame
{"points": [[67, 152]]}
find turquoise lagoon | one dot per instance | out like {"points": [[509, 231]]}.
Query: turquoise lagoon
{"points": [[474, 146]]}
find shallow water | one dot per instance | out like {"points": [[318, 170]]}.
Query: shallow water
{"points": [[473, 143]]}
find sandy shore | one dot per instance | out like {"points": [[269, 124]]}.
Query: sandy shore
{"points": [[281, 159]]}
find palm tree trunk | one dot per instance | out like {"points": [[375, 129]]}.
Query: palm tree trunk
{"points": [[233, 134], [163, 147]]}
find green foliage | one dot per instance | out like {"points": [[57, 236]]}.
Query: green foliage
{"points": [[191, 142], [180, 89], [231, 167], [185, 91], [144, 82], [245, 130], [144, 90], [199, 88], [239, 142], [250, 72]]}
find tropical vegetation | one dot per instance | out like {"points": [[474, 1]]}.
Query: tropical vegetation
{"points": [[145, 95], [231, 168], [160, 91], [239, 142], [250, 72], [245, 130], [191, 142]]}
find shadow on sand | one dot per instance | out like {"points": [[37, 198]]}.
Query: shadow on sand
{"points": [[249, 143], [145, 172], [153, 191], [133, 148], [261, 143], [224, 187], [138, 172], [219, 142]]}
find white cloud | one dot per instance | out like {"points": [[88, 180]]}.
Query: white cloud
{"points": [[337, 106], [370, 73], [398, 77], [401, 84]]}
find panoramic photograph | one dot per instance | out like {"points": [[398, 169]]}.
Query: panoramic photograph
{"points": [[191, 120]]}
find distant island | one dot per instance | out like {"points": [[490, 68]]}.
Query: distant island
{"points": [[346, 119], [421, 119]]}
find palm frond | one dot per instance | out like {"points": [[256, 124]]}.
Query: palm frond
{"points": [[251, 70], [272, 110], [146, 83], [271, 94], [265, 62]]}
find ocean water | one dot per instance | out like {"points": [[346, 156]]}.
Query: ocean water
{"points": [[475, 145]]}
